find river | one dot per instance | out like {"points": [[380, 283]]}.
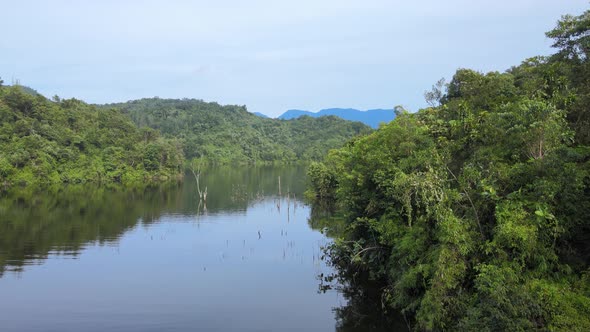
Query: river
{"points": [[88, 258]]}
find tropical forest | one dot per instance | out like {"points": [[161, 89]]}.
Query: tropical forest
{"points": [[472, 214], [468, 213]]}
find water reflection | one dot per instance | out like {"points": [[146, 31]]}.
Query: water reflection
{"points": [[234, 189], [156, 258], [153, 259], [33, 227], [36, 225]]}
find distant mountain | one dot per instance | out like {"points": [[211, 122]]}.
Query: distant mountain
{"points": [[370, 117], [294, 114], [260, 115]]}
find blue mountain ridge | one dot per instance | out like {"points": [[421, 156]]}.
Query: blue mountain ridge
{"points": [[369, 117]]}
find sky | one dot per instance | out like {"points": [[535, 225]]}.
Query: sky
{"points": [[269, 55]]}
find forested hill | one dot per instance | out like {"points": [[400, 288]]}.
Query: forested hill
{"points": [[474, 214], [44, 142], [230, 134]]}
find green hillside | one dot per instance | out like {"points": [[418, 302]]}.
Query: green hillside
{"points": [[230, 134], [45, 142]]}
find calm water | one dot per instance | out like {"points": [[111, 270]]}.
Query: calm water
{"points": [[95, 259]]}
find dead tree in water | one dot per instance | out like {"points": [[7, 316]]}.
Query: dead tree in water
{"points": [[197, 175]]}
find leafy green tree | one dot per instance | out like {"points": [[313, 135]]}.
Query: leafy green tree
{"points": [[571, 38]]}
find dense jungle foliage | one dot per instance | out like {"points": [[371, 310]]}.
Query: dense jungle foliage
{"points": [[44, 142], [474, 214], [230, 134]]}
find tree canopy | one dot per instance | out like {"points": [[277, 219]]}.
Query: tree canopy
{"points": [[231, 134], [473, 214], [45, 142]]}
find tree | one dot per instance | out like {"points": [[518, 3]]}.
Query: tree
{"points": [[572, 39], [435, 95], [571, 36]]}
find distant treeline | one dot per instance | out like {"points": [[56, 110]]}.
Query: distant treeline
{"points": [[231, 134], [474, 214]]}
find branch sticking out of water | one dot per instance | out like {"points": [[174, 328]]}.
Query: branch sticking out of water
{"points": [[197, 175]]}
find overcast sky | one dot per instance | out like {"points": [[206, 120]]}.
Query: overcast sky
{"points": [[270, 55]]}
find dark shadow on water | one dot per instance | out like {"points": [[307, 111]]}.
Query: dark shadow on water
{"points": [[363, 310], [34, 225]]}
